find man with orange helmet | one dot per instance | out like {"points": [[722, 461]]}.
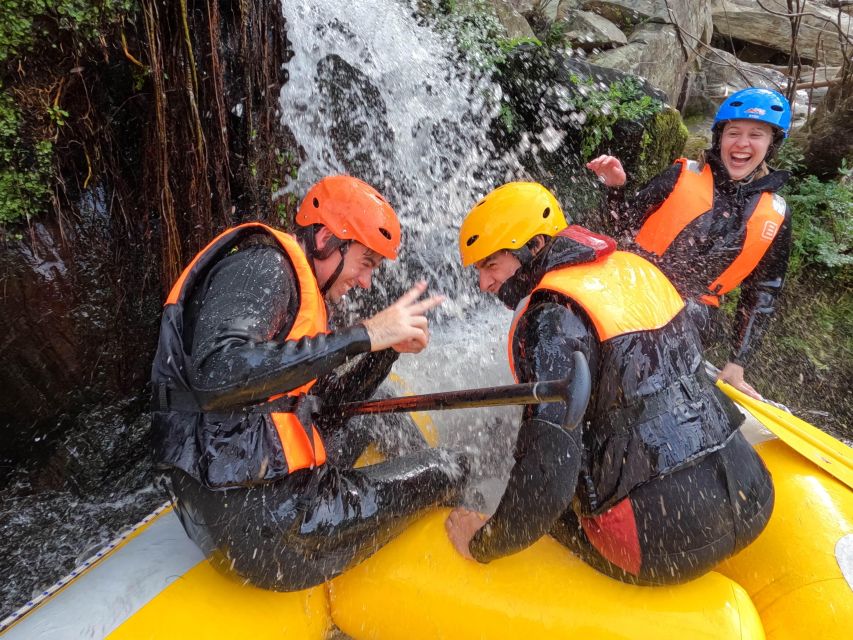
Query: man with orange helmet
{"points": [[259, 481]]}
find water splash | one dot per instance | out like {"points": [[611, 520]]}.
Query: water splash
{"points": [[374, 92]]}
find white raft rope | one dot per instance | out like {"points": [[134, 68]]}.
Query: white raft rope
{"points": [[81, 569]]}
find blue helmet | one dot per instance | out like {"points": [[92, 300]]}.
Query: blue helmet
{"points": [[764, 105]]}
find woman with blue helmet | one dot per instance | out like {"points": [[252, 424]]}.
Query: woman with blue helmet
{"points": [[717, 224]]}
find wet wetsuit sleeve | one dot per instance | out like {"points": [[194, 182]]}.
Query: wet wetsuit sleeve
{"points": [[246, 307], [359, 382], [759, 292], [547, 455], [631, 213]]}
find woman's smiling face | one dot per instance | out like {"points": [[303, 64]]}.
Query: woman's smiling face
{"points": [[744, 145]]}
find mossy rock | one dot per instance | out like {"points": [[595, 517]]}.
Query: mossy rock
{"points": [[575, 111], [664, 141]]}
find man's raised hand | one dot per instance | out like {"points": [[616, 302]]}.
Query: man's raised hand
{"points": [[403, 326]]}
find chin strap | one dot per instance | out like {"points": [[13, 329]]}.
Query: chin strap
{"points": [[521, 282], [334, 244], [342, 248]]}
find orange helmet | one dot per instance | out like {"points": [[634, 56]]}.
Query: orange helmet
{"points": [[352, 210]]}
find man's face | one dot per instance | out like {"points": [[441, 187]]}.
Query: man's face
{"points": [[359, 264], [496, 269]]}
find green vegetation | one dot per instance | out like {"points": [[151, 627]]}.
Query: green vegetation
{"points": [[27, 24], [823, 224], [663, 141], [28, 133], [605, 105], [478, 34], [25, 168]]}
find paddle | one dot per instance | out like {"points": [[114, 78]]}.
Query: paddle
{"points": [[575, 391], [830, 454]]}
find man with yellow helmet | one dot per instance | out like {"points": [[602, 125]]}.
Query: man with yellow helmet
{"points": [[259, 482], [655, 484]]}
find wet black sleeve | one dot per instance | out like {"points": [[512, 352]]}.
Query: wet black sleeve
{"points": [[547, 455], [758, 295], [360, 381], [630, 213], [245, 308]]}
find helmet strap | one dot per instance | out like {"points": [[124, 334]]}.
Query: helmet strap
{"points": [[524, 279], [525, 256], [342, 246], [307, 235]]}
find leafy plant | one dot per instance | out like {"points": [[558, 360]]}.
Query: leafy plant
{"points": [[25, 169], [507, 116], [26, 137], [604, 105], [822, 223], [25, 23], [790, 158]]}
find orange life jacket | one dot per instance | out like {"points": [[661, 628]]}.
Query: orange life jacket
{"points": [[693, 196], [649, 302], [652, 411], [302, 445]]}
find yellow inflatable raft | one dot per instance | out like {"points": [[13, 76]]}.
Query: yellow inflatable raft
{"points": [[795, 581]]}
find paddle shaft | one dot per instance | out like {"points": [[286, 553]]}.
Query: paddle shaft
{"points": [[528, 393], [574, 391]]}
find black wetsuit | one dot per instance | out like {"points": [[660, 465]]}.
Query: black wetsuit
{"points": [[685, 522], [301, 528], [710, 243]]}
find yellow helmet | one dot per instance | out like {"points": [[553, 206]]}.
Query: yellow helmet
{"points": [[507, 218]]}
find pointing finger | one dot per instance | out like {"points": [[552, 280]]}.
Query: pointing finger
{"points": [[413, 294], [423, 306]]}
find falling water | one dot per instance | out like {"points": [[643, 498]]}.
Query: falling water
{"points": [[375, 93]]}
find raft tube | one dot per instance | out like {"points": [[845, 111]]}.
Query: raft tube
{"points": [[799, 572], [154, 583], [794, 581], [418, 587]]}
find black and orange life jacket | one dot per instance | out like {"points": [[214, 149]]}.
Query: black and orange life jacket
{"points": [[693, 196], [652, 410], [245, 445]]}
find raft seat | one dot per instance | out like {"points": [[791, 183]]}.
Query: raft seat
{"points": [[419, 587]]}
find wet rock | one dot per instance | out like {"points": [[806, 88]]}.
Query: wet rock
{"points": [[78, 326], [653, 52], [588, 30], [817, 39], [361, 135], [828, 136], [816, 76], [722, 74], [524, 6], [563, 117], [694, 18], [662, 42], [511, 18]]}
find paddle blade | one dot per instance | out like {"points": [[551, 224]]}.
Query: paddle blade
{"points": [[830, 454]]}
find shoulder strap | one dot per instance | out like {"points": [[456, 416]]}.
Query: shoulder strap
{"points": [[692, 196]]}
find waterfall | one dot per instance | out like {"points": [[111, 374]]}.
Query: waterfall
{"points": [[376, 93]]}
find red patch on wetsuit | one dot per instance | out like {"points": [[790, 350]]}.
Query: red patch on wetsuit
{"points": [[614, 535], [601, 244]]}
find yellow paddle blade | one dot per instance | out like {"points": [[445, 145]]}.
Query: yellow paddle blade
{"points": [[830, 454]]}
